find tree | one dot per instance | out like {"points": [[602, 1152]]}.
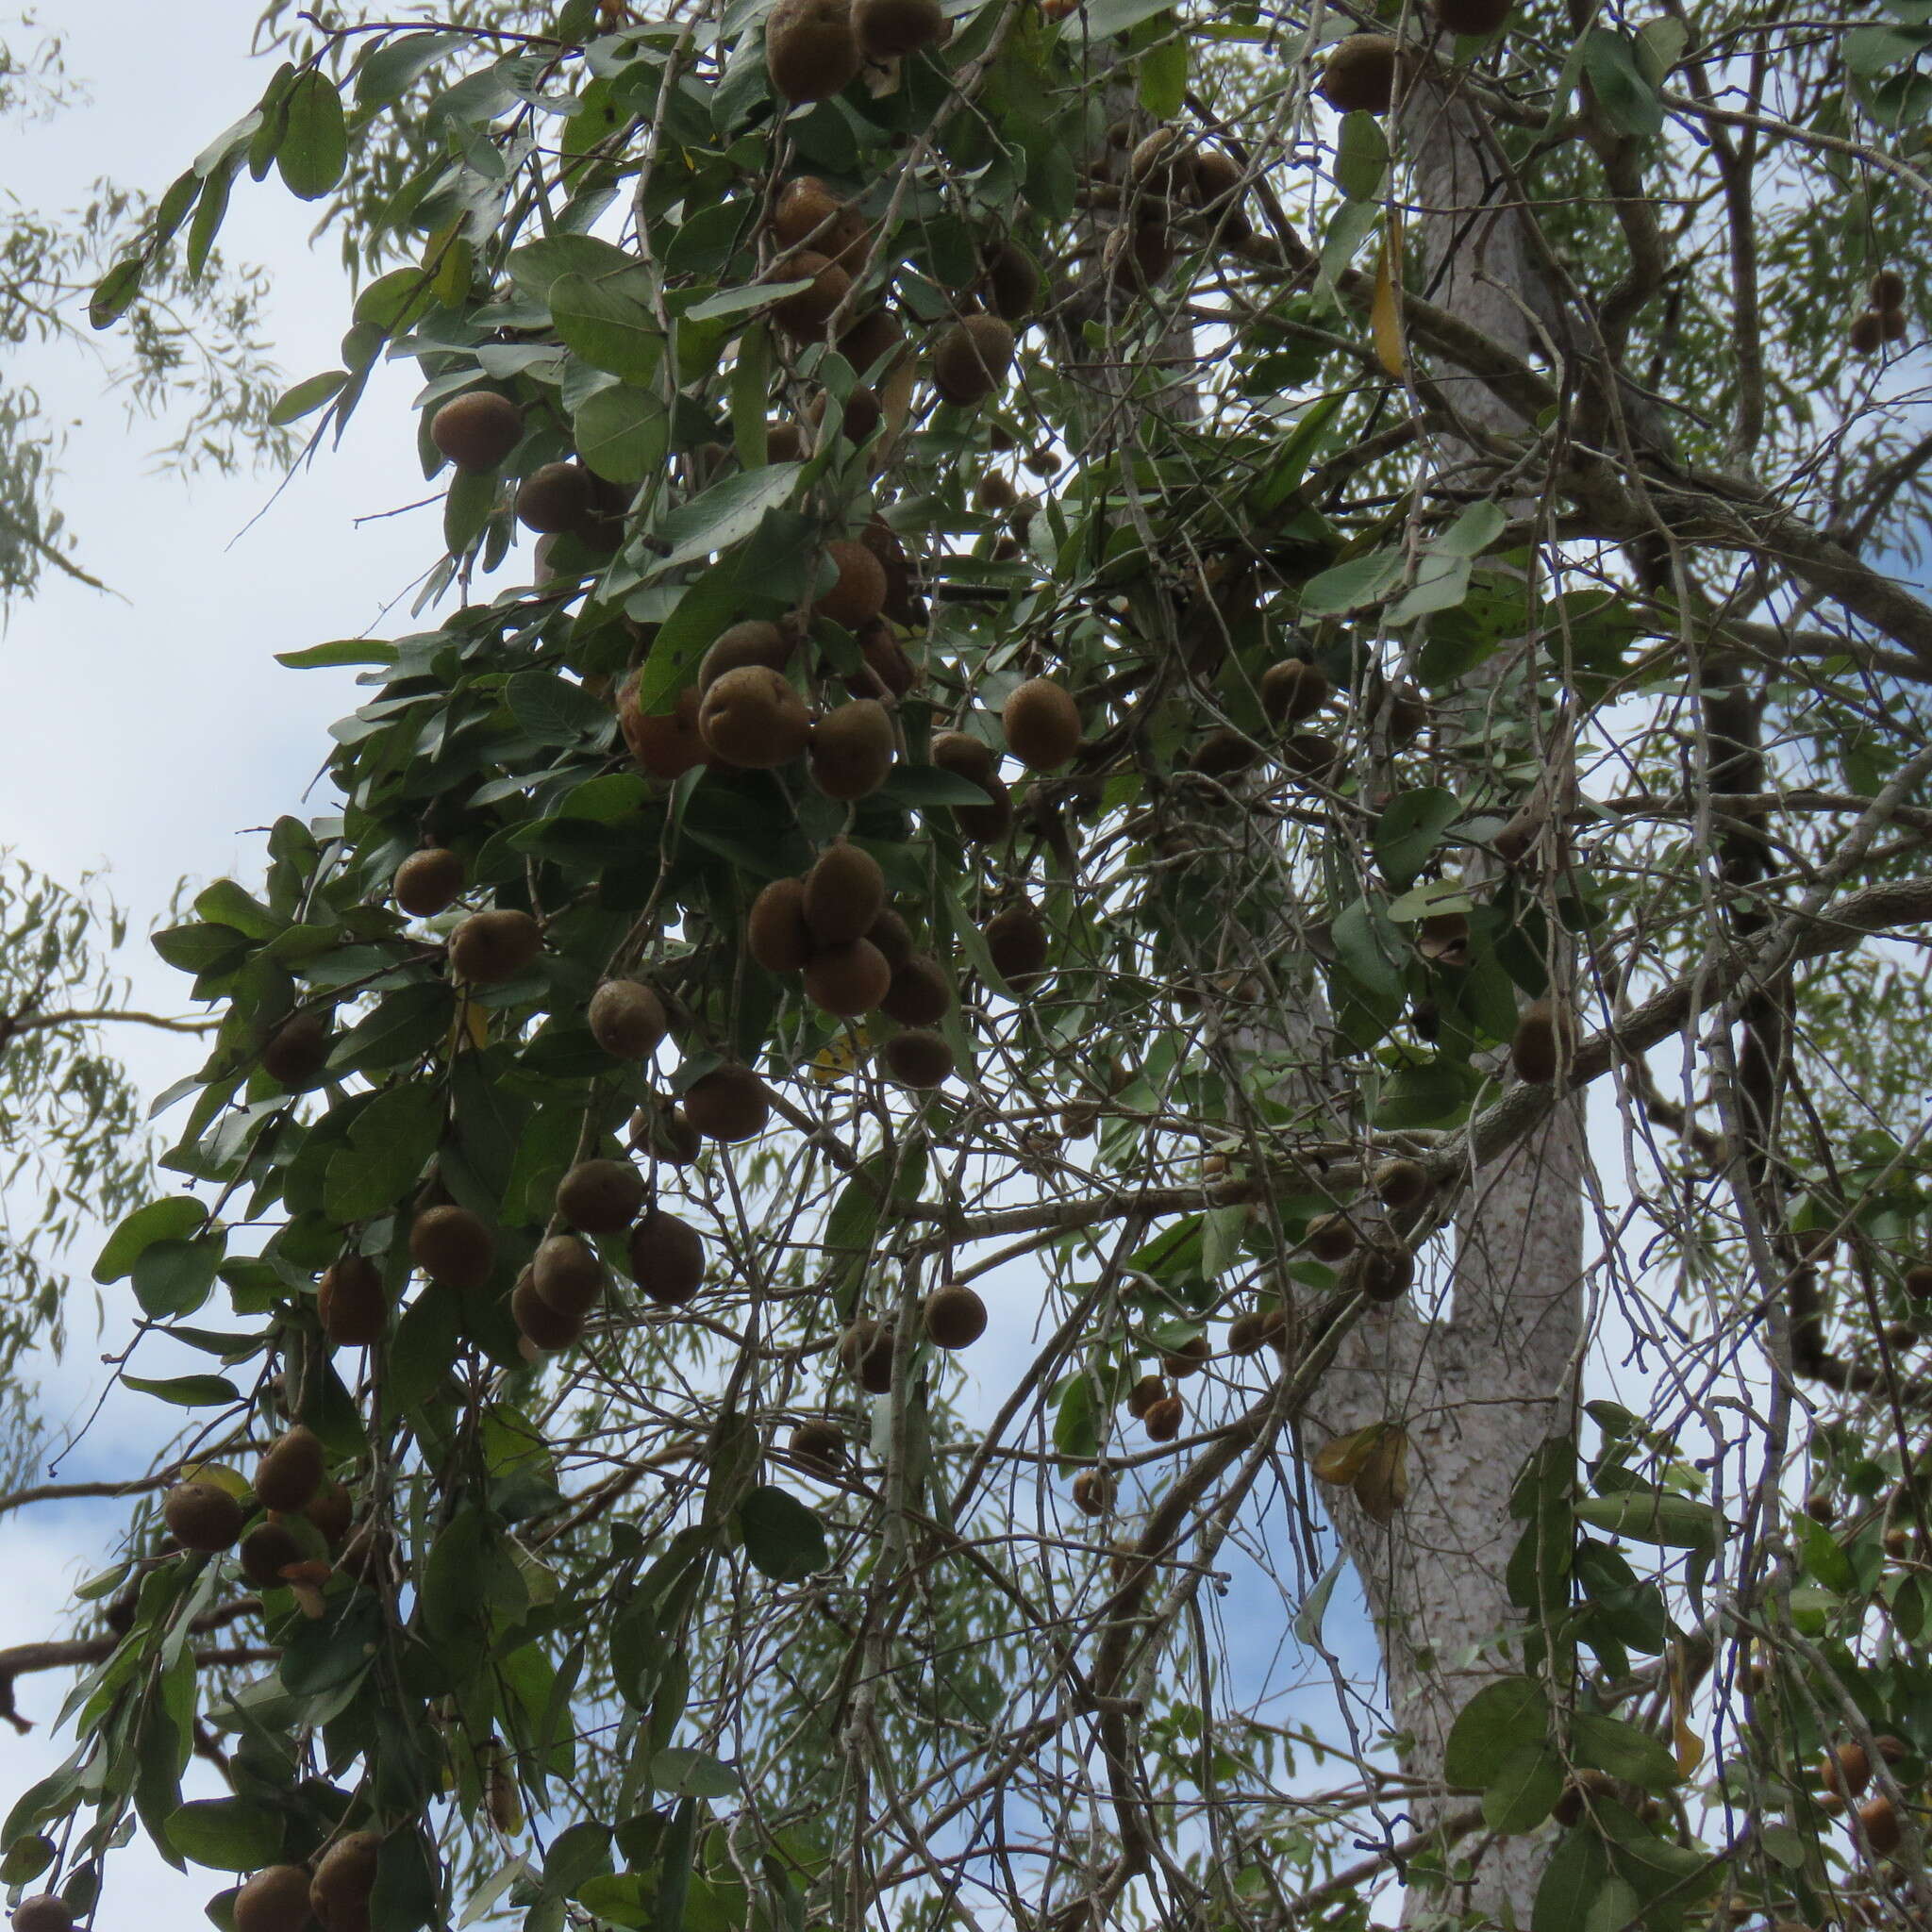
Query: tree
{"points": [[1060, 732]]}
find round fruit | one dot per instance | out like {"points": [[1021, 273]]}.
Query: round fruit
{"points": [[1159, 164], [488, 948], [45, 1911], [667, 1259], [1144, 1395], [852, 748], [808, 211], [1360, 75], [1163, 1419], [810, 51], [1384, 1271], [339, 1892], [666, 744], [275, 1900], [919, 1060], [1866, 333], [1881, 1825], [847, 980], [665, 1135], [1847, 1769], [628, 1019], [754, 718], [478, 430], [804, 312], [566, 1273], [453, 1246], [291, 1471], [784, 443], [1887, 289], [557, 498], [885, 659], [1011, 282], [331, 1512], [955, 1316], [601, 1196], [752, 642], [729, 1104], [1189, 1358], [1224, 753], [1892, 324], [202, 1517], [351, 1303], [1093, 1492], [860, 594], [971, 359], [983, 823], [865, 1353], [890, 27], [1545, 1036], [1017, 942], [266, 1550], [545, 1328], [893, 937], [965, 757], [1311, 755], [820, 1446], [1042, 725], [1331, 1238], [920, 994], [870, 341], [1251, 1333], [428, 882], [1473, 17], [844, 891], [294, 1055], [1919, 1281], [1293, 690], [776, 933], [1401, 1184]]}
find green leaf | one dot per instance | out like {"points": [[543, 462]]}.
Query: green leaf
{"points": [[1654, 1516], [1510, 1715], [722, 302], [1357, 584], [1572, 1882], [689, 1773], [924, 786], [405, 1896], [701, 612], [224, 903], [338, 651], [1307, 1620], [1103, 18], [171, 1220], [1472, 532], [390, 70], [1441, 584], [390, 1142], [608, 329], [306, 396], [1076, 1431], [1361, 155], [1629, 102], [1434, 1095], [1164, 76], [1409, 830], [782, 1537], [114, 294], [727, 513], [554, 710], [315, 138], [177, 1277], [621, 433], [201, 948], [1525, 1788], [538, 266], [187, 1392], [1367, 949], [1607, 1743], [226, 1833]]}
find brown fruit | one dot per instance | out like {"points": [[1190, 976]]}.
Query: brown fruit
{"points": [[1893, 325], [1545, 1037], [920, 994], [202, 1517], [1224, 753], [666, 1135], [750, 642], [1361, 74], [1093, 1492], [844, 891], [294, 1055], [861, 414], [566, 1273], [1846, 1768], [291, 1471], [1866, 333], [666, 744], [1898, 1544], [729, 1104], [1293, 690], [351, 1302], [1331, 1238], [1919, 1281], [601, 1196], [1144, 1395], [1568, 1808], [1821, 1509], [966, 758], [1017, 942], [886, 659], [266, 1550], [453, 1246], [488, 948], [865, 1353], [971, 359], [1216, 184], [1881, 1825], [893, 937], [955, 1316], [1311, 755], [784, 443], [1011, 282], [543, 1327], [983, 823], [557, 498], [667, 1259], [1893, 1750], [870, 341], [752, 718], [804, 312], [1886, 289], [919, 1058], [628, 1019], [275, 1900], [848, 979], [1159, 164], [810, 50], [1042, 725], [1407, 714], [339, 1892], [1383, 1271], [428, 882], [887, 28], [1251, 1333], [820, 1446], [808, 214], [45, 1911], [995, 492], [1189, 1358], [860, 594], [1473, 17], [852, 748], [1163, 1419], [1401, 1184], [478, 430], [776, 933], [331, 1512]]}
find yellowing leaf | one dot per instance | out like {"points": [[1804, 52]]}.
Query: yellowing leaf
{"points": [[1381, 1484], [218, 1475], [1384, 311], [1343, 1460], [838, 1056], [472, 1023], [1690, 1746]]}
